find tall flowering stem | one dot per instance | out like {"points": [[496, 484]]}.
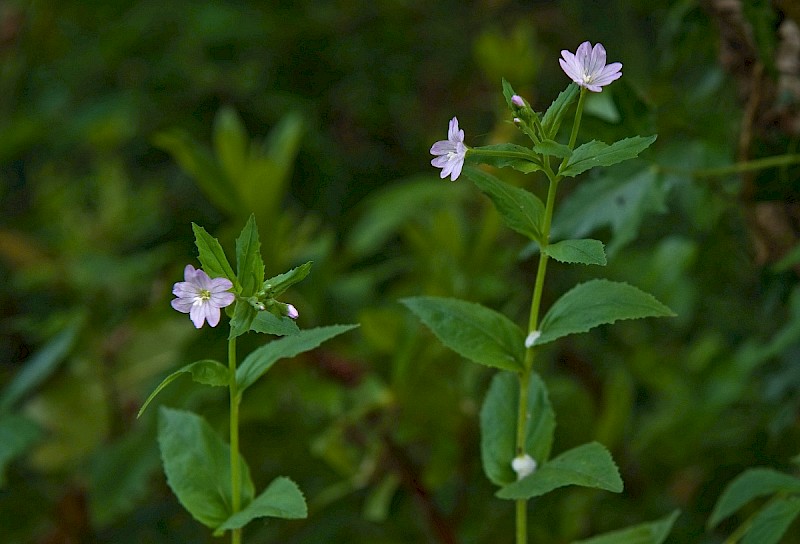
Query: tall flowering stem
{"points": [[236, 469], [523, 412]]}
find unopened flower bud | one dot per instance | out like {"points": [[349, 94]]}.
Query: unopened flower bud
{"points": [[532, 338], [292, 312], [518, 101], [523, 465]]}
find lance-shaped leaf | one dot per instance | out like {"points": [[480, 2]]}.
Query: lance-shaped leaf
{"points": [[577, 251], [502, 155], [521, 210], [558, 109], [553, 148], [654, 532], [17, 434], [508, 92], [268, 323], [471, 330], [589, 465], [249, 266], [207, 371], [597, 153], [597, 302], [230, 142], [281, 499], [499, 425], [262, 359], [243, 316], [212, 257], [198, 468], [773, 520], [278, 284], [749, 485]]}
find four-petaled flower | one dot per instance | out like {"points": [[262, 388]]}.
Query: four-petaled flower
{"points": [[201, 297], [587, 67], [450, 153]]}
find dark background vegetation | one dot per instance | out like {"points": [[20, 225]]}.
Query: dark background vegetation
{"points": [[101, 103]]}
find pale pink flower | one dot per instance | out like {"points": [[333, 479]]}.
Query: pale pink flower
{"points": [[202, 297], [450, 153], [587, 67]]}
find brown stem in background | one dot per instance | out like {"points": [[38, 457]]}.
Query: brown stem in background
{"points": [[439, 525]]}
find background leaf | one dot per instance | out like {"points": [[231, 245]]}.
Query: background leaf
{"points": [[585, 251], [281, 499], [753, 483], [498, 422], [197, 464], [596, 153], [771, 522], [521, 210], [589, 465], [262, 359], [654, 532], [597, 302], [471, 330]]}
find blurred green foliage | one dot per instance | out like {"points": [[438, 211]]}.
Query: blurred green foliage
{"points": [[115, 115]]}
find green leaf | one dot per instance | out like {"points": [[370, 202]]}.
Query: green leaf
{"points": [[654, 532], [508, 92], [17, 434], [517, 157], [597, 153], [558, 109], [621, 200], [281, 499], [212, 256], [206, 371], [589, 465], [243, 316], [772, 521], [230, 142], [753, 483], [249, 266], [553, 148], [40, 366], [498, 422], [585, 251], [520, 209], [471, 330], [197, 464], [197, 161], [276, 285], [268, 323], [262, 359], [597, 302]]}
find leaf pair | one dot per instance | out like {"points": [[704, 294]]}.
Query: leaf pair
{"points": [[255, 365], [489, 338], [589, 465], [198, 468]]}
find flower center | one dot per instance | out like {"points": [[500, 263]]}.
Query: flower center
{"points": [[203, 296]]}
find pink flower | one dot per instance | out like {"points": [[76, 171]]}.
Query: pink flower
{"points": [[202, 297], [450, 153], [587, 67]]}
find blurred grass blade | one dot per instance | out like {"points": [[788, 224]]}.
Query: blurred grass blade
{"points": [[40, 366]]}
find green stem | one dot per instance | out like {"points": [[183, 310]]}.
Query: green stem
{"points": [[523, 416], [236, 478]]}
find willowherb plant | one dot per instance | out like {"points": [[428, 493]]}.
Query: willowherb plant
{"points": [[210, 478], [517, 421]]}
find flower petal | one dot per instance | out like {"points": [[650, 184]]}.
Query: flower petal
{"points": [[198, 314], [183, 305]]}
